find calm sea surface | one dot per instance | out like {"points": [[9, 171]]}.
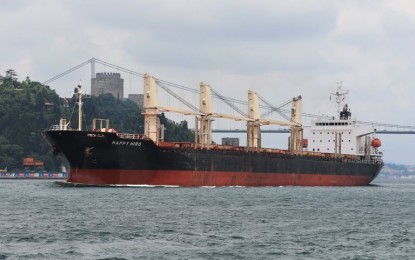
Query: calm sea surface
{"points": [[41, 220]]}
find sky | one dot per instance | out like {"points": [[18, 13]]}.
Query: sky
{"points": [[280, 49]]}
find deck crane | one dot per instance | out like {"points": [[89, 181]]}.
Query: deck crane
{"points": [[204, 115]]}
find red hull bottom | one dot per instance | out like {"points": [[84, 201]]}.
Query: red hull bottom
{"points": [[198, 179]]}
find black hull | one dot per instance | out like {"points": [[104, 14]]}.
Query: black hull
{"points": [[100, 158]]}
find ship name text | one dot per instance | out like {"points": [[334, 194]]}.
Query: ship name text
{"points": [[126, 143], [96, 135]]}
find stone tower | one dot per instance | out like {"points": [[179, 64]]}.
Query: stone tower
{"points": [[108, 82]]}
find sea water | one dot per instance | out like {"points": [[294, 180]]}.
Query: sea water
{"points": [[41, 220]]}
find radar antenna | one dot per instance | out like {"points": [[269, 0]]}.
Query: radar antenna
{"points": [[340, 96]]}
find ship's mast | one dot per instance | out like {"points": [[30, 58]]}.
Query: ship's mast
{"points": [[340, 96], [296, 128], [79, 89], [253, 127], [206, 118], [151, 111]]}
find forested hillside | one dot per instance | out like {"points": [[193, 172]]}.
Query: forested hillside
{"points": [[28, 108]]}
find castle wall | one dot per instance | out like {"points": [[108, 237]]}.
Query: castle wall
{"points": [[108, 82]]}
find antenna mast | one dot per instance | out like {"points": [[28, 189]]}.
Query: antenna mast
{"points": [[79, 91], [340, 96]]}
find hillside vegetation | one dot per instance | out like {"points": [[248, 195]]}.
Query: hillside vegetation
{"points": [[28, 108]]}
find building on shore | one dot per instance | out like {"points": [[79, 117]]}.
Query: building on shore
{"points": [[108, 82]]}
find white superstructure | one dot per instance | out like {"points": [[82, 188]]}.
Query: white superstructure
{"points": [[340, 134]]}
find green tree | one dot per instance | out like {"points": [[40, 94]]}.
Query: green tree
{"points": [[23, 117], [176, 132]]}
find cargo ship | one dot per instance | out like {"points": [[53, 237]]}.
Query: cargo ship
{"points": [[332, 151]]}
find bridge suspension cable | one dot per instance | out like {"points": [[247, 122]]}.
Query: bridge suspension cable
{"points": [[66, 72], [117, 67]]}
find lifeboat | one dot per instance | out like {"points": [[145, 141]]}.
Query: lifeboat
{"points": [[376, 143], [304, 143]]}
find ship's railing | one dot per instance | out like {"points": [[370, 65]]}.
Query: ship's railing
{"points": [[323, 156], [54, 128], [58, 128], [63, 125], [131, 136]]}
